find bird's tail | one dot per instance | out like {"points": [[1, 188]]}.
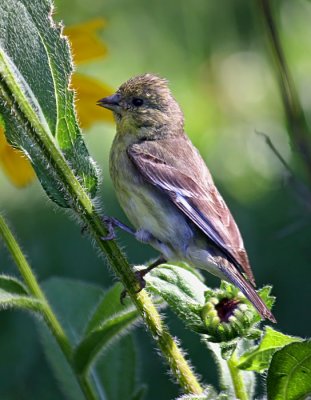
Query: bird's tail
{"points": [[248, 290]]}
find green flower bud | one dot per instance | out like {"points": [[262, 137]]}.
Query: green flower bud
{"points": [[227, 314]]}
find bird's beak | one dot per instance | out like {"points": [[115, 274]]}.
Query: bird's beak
{"points": [[110, 102]]}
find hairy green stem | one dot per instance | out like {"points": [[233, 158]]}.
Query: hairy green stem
{"points": [[169, 348], [48, 314], [237, 378], [298, 128]]}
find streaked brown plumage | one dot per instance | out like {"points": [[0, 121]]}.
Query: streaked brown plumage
{"points": [[166, 189]]}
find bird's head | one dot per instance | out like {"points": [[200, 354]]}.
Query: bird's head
{"points": [[145, 101]]}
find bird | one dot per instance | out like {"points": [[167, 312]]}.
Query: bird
{"points": [[167, 191]]}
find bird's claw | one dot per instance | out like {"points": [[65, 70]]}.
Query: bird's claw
{"points": [[142, 284], [111, 235]]}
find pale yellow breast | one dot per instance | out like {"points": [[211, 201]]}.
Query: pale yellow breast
{"points": [[145, 206]]}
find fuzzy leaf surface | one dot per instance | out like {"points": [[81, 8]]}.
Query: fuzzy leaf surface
{"points": [[12, 285], [35, 99], [182, 290], [13, 294], [258, 359], [289, 375]]}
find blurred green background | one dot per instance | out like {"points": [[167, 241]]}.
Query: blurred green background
{"points": [[217, 59]]}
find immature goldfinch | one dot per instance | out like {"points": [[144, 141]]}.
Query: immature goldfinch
{"points": [[167, 191]]}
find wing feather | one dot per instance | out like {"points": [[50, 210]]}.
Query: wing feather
{"points": [[196, 195]]}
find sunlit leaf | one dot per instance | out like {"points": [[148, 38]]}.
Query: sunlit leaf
{"points": [[265, 294], [290, 371], [182, 290], [35, 100], [258, 359]]}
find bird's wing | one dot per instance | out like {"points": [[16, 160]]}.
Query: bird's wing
{"points": [[178, 170]]}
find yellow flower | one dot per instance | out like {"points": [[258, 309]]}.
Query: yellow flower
{"points": [[85, 43], [86, 46], [88, 91], [14, 163]]}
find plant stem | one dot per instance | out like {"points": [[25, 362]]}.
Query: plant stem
{"points": [[169, 348], [48, 314], [178, 364], [298, 128], [237, 378]]}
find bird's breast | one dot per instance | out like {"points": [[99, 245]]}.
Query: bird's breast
{"points": [[146, 206]]}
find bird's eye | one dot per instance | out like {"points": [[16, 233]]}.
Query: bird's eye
{"points": [[137, 102]]}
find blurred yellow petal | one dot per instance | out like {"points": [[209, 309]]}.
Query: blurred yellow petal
{"points": [[86, 45], [14, 164], [88, 92], [3, 141]]}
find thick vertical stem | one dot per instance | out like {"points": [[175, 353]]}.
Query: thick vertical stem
{"points": [[237, 379], [35, 291], [169, 348]]}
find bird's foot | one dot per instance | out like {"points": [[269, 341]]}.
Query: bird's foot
{"points": [[140, 276], [142, 284], [110, 227], [112, 223]]}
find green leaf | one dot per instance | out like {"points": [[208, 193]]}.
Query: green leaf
{"points": [[9, 300], [140, 393], [117, 370], [59, 365], [35, 100], [77, 306], [98, 340], [109, 305], [182, 290], [259, 358], [12, 285], [13, 294], [74, 303], [290, 371], [269, 300], [109, 321]]}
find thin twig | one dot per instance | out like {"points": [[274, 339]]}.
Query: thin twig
{"points": [[302, 191]]}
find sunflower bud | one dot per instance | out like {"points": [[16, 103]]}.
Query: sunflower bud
{"points": [[227, 314]]}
